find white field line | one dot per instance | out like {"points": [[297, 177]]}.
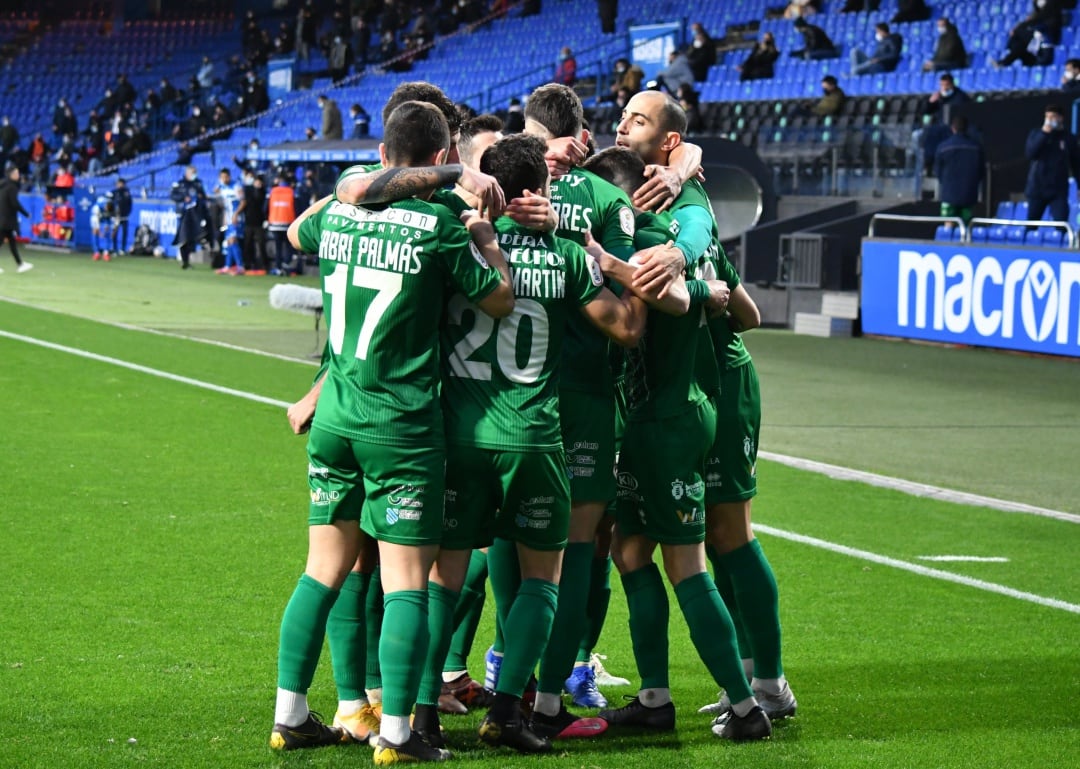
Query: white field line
{"points": [[915, 568], [800, 538], [916, 489], [963, 558]]}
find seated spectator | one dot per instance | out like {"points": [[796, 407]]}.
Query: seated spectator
{"points": [[627, 75], [1046, 16], [949, 53], [1028, 46], [689, 100], [675, 74], [854, 6], [1070, 80], [759, 64], [830, 103], [702, 53], [816, 44], [798, 9], [566, 67], [910, 10], [886, 53]]}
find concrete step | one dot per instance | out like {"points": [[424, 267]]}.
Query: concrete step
{"points": [[840, 304], [817, 324]]}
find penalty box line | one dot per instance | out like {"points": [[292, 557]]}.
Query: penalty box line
{"points": [[792, 536]]}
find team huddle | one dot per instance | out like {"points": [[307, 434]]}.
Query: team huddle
{"points": [[528, 376]]}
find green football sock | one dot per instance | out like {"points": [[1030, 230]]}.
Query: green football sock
{"points": [[755, 591], [647, 601], [597, 606], [527, 628], [727, 595], [441, 603], [303, 627], [569, 622], [402, 651], [505, 572], [467, 614], [347, 636], [373, 620], [713, 634]]}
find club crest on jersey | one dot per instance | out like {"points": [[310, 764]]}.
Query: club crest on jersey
{"points": [[626, 221], [678, 489], [594, 271]]}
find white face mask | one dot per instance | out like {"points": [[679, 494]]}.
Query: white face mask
{"points": [[879, 37], [698, 43]]}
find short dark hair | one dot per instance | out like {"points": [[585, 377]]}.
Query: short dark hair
{"points": [[414, 132], [1074, 63], [959, 124], [427, 93], [619, 165], [831, 80], [471, 128], [517, 163], [557, 108], [947, 76], [882, 26], [1055, 109]]}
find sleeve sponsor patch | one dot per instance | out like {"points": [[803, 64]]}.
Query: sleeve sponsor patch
{"points": [[594, 270], [626, 221], [478, 256]]}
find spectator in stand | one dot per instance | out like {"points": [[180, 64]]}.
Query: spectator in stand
{"points": [[191, 127], [331, 117], [63, 180], [125, 91], [10, 208], [9, 139], [959, 165], [122, 202], [690, 102], [949, 52], [565, 67], [361, 122], [910, 10], [886, 53], [948, 94], [340, 59], [1027, 45], [66, 122], [306, 32], [1054, 157], [816, 44], [361, 38], [832, 98], [59, 116], [702, 53], [281, 211], [626, 75], [256, 97], [675, 74], [205, 74], [39, 161], [855, 6], [759, 64], [1070, 80], [388, 52], [515, 117], [936, 114], [609, 11], [799, 9], [167, 91], [1046, 16]]}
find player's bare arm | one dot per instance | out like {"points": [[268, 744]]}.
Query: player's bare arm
{"points": [[743, 313], [658, 268], [500, 302], [294, 228], [673, 299], [620, 319], [302, 412], [563, 154], [534, 211], [398, 183], [719, 296], [664, 183]]}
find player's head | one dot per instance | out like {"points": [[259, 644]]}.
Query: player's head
{"points": [[191, 173], [477, 134], [619, 165], [415, 134], [554, 111], [225, 175], [652, 125], [418, 90], [517, 163]]}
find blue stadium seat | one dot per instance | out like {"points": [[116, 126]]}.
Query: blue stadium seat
{"points": [[979, 234], [943, 232], [1015, 234], [1054, 238], [1005, 209], [1020, 210], [996, 234], [1035, 237]]}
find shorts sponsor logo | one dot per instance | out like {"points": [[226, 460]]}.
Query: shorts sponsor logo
{"points": [[403, 496], [317, 472], [450, 495], [394, 514], [539, 501], [580, 459], [450, 523], [585, 446], [323, 497], [627, 481], [691, 517], [524, 522], [582, 472], [712, 461]]}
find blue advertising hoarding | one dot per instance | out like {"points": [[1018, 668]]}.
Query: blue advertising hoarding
{"points": [[973, 293], [651, 44]]}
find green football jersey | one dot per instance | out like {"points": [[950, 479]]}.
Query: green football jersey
{"points": [[501, 377], [385, 272], [445, 196], [663, 375], [729, 349], [586, 203]]}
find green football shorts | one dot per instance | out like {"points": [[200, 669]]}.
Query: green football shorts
{"points": [[731, 466], [588, 429], [661, 477], [522, 496], [395, 492]]}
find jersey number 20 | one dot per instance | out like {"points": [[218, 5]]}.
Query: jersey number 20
{"points": [[506, 343]]}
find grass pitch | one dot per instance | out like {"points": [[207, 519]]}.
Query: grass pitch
{"points": [[153, 531]]}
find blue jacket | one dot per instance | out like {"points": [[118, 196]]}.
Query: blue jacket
{"points": [[1054, 157], [887, 52], [959, 164]]}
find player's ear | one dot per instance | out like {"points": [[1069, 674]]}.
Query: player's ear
{"points": [[440, 157], [382, 155], [585, 136], [671, 141]]}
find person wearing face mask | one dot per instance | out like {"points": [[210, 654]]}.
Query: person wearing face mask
{"points": [[948, 94], [886, 53], [702, 53], [1046, 16], [935, 114], [949, 52], [759, 64], [190, 198], [626, 75], [1054, 156], [1070, 81], [816, 44], [565, 67]]}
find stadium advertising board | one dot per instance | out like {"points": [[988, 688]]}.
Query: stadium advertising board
{"points": [[970, 293], [651, 44]]}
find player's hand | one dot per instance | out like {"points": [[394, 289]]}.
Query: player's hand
{"points": [[486, 188], [563, 154], [300, 415], [662, 186], [658, 266], [719, 294], [534, 211]]}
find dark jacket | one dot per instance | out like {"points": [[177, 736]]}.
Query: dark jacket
{"points": [[950, 50], [10, 206], [122, 199], [911, 10], [190, 199], [815, 39], [958, 166], [887, 52], [759, 64], [1054, 157]]}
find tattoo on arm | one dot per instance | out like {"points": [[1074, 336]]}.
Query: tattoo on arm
{"points": [[400, 183]]}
